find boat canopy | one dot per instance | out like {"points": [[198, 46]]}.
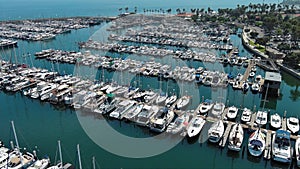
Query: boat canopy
{"points": [[256, 143], [283, 134]]}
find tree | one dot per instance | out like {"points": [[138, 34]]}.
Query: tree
{"points": [[126, 9], [135, 9], [178, 10]]}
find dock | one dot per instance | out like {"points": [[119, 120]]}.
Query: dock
{"points": [[222, 143], [247, 73], [283, 124], [267, 152]]}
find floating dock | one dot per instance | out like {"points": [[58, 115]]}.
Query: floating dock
{"points": [[268, 149]]}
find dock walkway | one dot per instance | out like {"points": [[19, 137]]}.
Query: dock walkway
{"points": [[222, 143]]}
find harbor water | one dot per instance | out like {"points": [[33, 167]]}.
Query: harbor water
{"points": [[39, 124]]}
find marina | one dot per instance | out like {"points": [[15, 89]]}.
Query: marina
{"points": [[175, 74]]}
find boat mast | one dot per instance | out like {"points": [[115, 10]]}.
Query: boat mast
{"points": [[16, 139], [93, 162], [60, 154], [79, 158]]}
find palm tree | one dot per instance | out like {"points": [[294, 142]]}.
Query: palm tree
{"points": [[126, 9], [120, 10], [178, 10]]}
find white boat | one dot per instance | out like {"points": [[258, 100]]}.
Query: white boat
{"points": [[150, 96], [161, 120], [3, 157], [297, 151], [293, 124], [261, 118], [216, 131], [179, 124], [143, 118], [161, 98], [255, 87], [195, 126], [258, 78], [246, 115], [275, 121], [232, 112], [281, 147], [236, 85], [170, 100], [218, 109], [18, 160], [207, 80], [256, 143], [183, 102], [252, 74], [236, 137], [134, 112], [122, 108], [40, 164], [205, 106]]}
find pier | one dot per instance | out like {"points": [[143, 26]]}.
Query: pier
{"points": [[223, 141], [268, 149]]}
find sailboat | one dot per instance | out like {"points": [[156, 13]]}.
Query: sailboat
{"points": [[297, 150], [196, 126], [17, 159], [216, 131], [59, 165], [257, 143], [236, 137]]}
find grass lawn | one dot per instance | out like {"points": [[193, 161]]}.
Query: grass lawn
{"points": [[257, 46]]}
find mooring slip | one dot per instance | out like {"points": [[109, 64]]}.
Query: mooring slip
{"points": [[222, 143], [267, 152]]}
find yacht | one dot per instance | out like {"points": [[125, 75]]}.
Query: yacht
{"points": [[134, 112], [150, 96], [205, 106], [216, 131], [297, 151], [256, 143], [232, 112], [161, 98], [179, 124], [293, 124], [40, 164], [246, 115], [3, 157], [218, 109], [143, 118], [261, 118], [122, 108], [18, 160], [275, 121], [281, 147], [236, 137], [195, 126], [207, 80], [161, 120], [170, 100], [183, 102], [245, 86]]}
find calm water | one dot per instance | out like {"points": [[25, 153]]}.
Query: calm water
{"points": [[40, 125], [20, 9]]}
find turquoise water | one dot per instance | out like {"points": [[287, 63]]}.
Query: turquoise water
{"points": [[21, 9], [40, 125]]}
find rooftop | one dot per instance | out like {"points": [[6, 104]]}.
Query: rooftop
{"points": [[273, 76]]}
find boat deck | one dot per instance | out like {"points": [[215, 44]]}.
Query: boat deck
{"points": [[222, 143]]}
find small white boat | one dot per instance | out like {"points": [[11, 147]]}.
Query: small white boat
{"points": [[293, 124], [133, 112], [246, 115], [232, 112], [195, 127], [205, 106], [170, 100], [236, 137], [218, 109], [207, 80], [183, 102], [252, 74], [258, 78], [261, 118], [236, 85], [297, 151], [256, 143], [255, 87], [161, 98], [216, 131], [179, 124], [281, 146], [275, 121]]}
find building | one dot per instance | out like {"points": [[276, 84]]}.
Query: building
{"points": [[272, 83]]}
